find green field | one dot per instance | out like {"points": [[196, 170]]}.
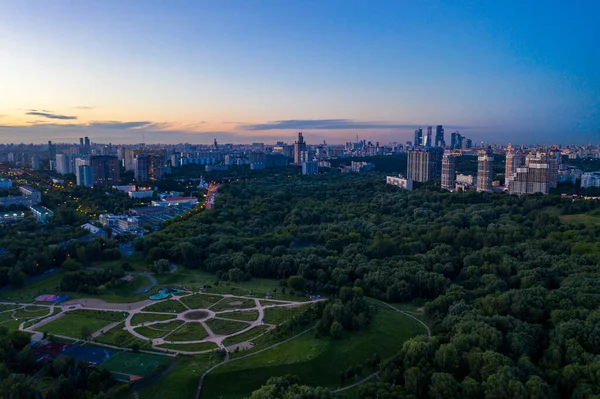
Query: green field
{"points": [[140, 364], [315, 361], [27, 293], [120, 337], [225, 327], [159, 330], [189, 332], [167, 306], [245, 336], [280, 314], [200, 301], [70, 324], [249, 315], [148, 317], [181, 383], [7, 307], [199, 347], [32, 311], [581, 218], [233, 303]]}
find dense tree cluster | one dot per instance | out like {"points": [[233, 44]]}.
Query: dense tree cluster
{"points": [[95, 282], [289, 387], [511, 290], [349, 311], [55, 379]]}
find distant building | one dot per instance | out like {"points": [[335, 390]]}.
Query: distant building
{"points": [[399, 181], [170, 201], [310, 168], [84, 176], [359, 167], [6, 183], [35, 162], [299, 147], [449, 172], [257, 166], [213, 168], [590, 179], [149, 166], [439, 136], [11, 217], [41, 213], [485, 170], [275, 160], [418, 137], [514, 160], [105, 170], [427, 141], [465, 179], [424, 164], [97, 231]]}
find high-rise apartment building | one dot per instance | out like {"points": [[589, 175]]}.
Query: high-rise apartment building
{"points": [[64, 164], [424, 164], [514, 160], [448, 172], [299, 148], [538, 175], [52, 155], [35, 162], [439, 136], [485, 170], [149, 167], [418, 137], [84, 175], [105, 169]]}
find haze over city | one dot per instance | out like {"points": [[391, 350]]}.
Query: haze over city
{"points": [[240, 72]]}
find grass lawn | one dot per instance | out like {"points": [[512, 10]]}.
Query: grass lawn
{"points": [[200, 301], [280, 314], [245, 336], [225, 327], [32, 311], [189, 332], [131, 363], [202, 346], [233, 303], [159, 330], [136, 260], [6, 316], [120, 337], [11, 324], [146, 317], [167, 306], [181, 383], [249, 315], [581, 218], [27, 293], [70, 323], [7, 307], [315, 361], [126, 292]]}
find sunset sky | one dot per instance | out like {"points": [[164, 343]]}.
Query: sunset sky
{"points": [[244, 71]]}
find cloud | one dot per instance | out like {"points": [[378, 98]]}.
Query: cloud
{"points": [[118, 125], [83, 107], [49, 115], [324, 124]]}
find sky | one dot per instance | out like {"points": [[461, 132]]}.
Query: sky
{"points": [[244, 71]]}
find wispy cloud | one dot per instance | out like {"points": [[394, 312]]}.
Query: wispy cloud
{"points": [[324, 124], [118, 124], [49, 115], [83, 107]]}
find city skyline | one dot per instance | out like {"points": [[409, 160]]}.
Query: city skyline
{"points": [[240, 72]]}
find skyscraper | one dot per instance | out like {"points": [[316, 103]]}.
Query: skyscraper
{"points": [[439, 136], [485, 170], [418, 137], [424, 164], [105, 169], [299, 147], [538, 175], [52, 155], [456, 141], [148, 167], [448, 172], [427, 141]]}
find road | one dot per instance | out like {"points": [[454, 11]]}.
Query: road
{"points": [[211, 196]]}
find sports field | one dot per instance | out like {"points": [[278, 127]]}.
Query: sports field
{"points": [[140, 364]]}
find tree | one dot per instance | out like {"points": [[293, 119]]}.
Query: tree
{"points": [[86, 332], [16, 277], [161, 266], [443, 386], [336, 330], [296, 283], [71, 265]]}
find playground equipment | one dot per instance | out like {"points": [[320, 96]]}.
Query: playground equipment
{"points": [[165, 293]]}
